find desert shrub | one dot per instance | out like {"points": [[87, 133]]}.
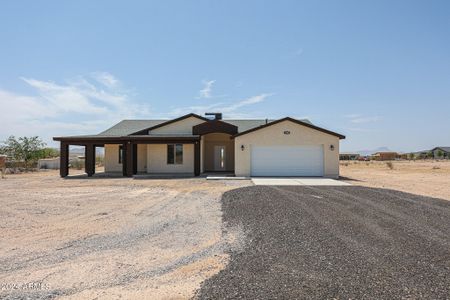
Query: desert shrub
{"points": [[390, 165], [99, 161], [77, 164], [436, 168], [24, 149]]}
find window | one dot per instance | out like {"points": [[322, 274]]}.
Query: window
{"points": [[175, 154], [120, 153]]}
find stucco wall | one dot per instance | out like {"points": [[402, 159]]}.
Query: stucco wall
{"points": [[141, 158], [157, 159], [299, 135], [182, 126], [111, 159], [218, 139], [202, 151]]}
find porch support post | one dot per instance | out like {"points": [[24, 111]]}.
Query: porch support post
{"points": [[64, 159], [135, 159], [197, 158], [89, 159], [128, 149]]}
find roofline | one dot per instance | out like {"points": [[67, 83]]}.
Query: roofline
{"points": [[440, 148], [340, 136], [124, 139], [170, 122]]}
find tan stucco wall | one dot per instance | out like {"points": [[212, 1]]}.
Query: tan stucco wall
{"points": [[111, 159], [217, 139], [299, 135], [202, 151], [141, 158], [157, 159], [182, 126]]}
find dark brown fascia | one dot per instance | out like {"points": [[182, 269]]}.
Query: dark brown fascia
{"points": [[145, 131], [101, 140], [214, 126], [340, 136]]}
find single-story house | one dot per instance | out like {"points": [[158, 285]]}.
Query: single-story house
{"points": [[349, 156], [441, 152], [384, 156], [193, 144]]}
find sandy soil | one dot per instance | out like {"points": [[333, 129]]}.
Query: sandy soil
{"points": [[427, 178], [107, 238]]}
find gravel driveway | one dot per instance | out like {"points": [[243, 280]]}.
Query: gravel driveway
{"points": [[334, 243]]}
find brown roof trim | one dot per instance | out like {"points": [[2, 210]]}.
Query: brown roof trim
{"points": [[145, 131], [76, 140], [214, 126], [340, 136]]}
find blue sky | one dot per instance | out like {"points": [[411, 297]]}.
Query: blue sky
{"points": [[376, 71]]}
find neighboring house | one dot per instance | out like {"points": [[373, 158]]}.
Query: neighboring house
{"points": [[349, 156], [384, 156], [445, 151], [193, 144]]}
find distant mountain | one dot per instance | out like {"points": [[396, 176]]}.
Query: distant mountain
{"points": [[369, 152]]}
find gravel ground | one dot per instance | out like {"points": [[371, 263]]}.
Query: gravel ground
{"points": [[110, 238], [334, 243]]}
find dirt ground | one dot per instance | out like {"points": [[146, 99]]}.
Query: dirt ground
{"points": [[106, 238], [427, 178]]}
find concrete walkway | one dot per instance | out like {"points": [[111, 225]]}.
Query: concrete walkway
{"points": [[298, 181]]}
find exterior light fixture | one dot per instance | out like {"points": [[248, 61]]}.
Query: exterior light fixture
{"points": [[332, 147], [242, 147]]}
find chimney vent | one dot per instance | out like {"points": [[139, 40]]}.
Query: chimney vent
{"points": [[217, 116]]}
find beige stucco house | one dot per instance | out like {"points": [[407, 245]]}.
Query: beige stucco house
{"points": [[193, 144]]}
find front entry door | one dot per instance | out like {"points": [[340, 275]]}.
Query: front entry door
{"points": [[219, 158]]}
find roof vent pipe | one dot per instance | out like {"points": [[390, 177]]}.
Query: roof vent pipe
{"points": [[217, 116]]}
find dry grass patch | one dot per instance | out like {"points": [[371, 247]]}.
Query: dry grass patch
{"points": [[422, 177]]}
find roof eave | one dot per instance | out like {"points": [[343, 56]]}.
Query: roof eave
{"points": [[340, 136], [143, 131]]}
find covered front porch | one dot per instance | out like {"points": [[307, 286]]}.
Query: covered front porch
{"points": [[129, 152]]}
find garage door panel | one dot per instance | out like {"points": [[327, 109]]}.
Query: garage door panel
{"points": [[287, 160]]}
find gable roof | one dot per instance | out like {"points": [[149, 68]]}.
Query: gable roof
{"points": [[145, 130], [340, 136], [445, 149], [138, 127], [127, 127], [246, 124]]}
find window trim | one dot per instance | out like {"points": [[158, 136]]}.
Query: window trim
{"points": [[120, 154], [174, 154]]}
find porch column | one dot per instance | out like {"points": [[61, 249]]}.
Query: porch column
{"points": [[64, 159], [197, 158], [135, 168], [89, 159], [128, 161]]}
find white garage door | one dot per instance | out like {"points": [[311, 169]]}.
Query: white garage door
{"points": [[287, 160]]}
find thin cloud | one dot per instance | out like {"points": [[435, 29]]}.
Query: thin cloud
{"points": [[78, 106], [359, 119], [230, 109], [207, 89], [106, 79], [298, 52], [365, 120]]}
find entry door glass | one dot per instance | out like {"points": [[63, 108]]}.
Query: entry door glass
{"points": [[219, 158]]}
